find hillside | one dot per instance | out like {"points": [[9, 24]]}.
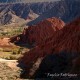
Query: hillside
{"points": [[65, 40], [25, 1], [36, 34], [67, 10], [40, 39], [23, 9], [8, 17]]}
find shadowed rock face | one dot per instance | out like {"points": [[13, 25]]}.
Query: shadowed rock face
{"points": [[67, 10], [67, 39], [36, 34], [27, 11], [58, 63]]}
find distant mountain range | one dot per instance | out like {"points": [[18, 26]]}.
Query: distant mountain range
{"points": [[25, 1], [59, 53], [67, 10], [55, 41]]}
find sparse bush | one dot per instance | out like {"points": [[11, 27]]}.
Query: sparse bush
{"points": [[12, 57], [17, 51]]}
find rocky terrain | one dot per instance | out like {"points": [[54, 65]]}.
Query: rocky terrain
{"points": [[44, 37], [64, 40], [8, 72], [24, 1], [9, 54], [27, 11], [61, 66], [36, 34], [67, 10], [10, 18], [40, 32]]}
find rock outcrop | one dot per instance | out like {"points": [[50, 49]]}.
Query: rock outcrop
{"points": [[8, 73], [36, 34], [9, 17], [67, 39], [22, 10]]}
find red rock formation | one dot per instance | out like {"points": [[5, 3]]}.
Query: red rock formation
{"points": [[22, 38], [44, 29], [67, 39], [40, 32]]}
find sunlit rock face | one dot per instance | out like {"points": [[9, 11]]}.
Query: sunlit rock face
{"points": [[43, 30]]}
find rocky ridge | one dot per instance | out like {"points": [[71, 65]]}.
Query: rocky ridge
{"points": [[36, 34], [67, 10], [65, 40]]}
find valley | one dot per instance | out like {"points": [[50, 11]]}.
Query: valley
{"points": [[39, 38]]}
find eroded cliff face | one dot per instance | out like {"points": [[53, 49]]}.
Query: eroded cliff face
{"points": [[43, 30], [36, 34], [60, 64], [23, 9], [66, 39], [66, 10]]}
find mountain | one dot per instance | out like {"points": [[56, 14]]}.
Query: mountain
{"points": [[44, 29], [67, 10], [36, 34], [24, 1], [62, 64], [23, 9], [27, 11], [32, 15], [65, 40], [9, 17]]}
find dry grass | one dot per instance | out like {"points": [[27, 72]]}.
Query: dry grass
{"points": [[9, 50]]}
